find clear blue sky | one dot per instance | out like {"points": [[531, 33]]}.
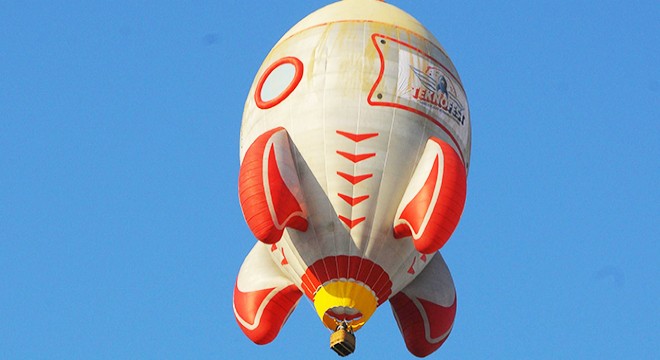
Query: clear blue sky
{"points": [[120, 229]]}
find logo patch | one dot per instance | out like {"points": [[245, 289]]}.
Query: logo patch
{"points": [[429, 85], [423, 83]]}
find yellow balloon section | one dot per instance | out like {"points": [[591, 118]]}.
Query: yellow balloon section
{"points": [[348, 295]]}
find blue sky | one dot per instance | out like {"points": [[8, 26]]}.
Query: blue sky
{"points": [[120, 229]]}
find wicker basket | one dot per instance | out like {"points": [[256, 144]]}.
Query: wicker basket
{"points": [[342, 342]]}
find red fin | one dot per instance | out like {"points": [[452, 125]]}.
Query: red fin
{"points": [[263, 296], [426, 308], [434, 200], [265, 183]]}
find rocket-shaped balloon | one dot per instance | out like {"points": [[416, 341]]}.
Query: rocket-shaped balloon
{"points": [[355, 146]]}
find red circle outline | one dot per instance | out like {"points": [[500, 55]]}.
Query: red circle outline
{"points": [[287, 91]]}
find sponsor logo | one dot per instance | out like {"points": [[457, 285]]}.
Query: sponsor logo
{"points": [[429, 86], [422, 82]]}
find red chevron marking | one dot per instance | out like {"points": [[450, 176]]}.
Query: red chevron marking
{"points": [[357, 137], [354, 179], [351, 223], [411, 271], [284, 260], [356, 158], [353, 201]]}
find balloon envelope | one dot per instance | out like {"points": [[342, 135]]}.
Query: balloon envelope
{"points": [[355, 146]]}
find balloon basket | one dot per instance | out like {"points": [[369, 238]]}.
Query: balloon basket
{"points": [[342, 342]]}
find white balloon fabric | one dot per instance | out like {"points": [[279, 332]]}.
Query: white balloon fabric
{"points": [[355, 147]]}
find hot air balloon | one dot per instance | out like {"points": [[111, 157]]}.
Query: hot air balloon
{"points": [[354, 149]]}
